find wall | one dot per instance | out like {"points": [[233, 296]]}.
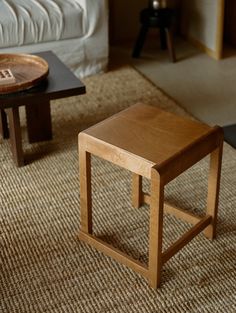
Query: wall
{"points": [[200, 21], [124, 19]]}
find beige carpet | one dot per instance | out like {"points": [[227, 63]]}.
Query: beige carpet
{"points": [[45, 268]]}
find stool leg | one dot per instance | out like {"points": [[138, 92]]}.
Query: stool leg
{"points": [[85, 191], [140, 41], [170, 44], [136, 190], [163, 38], [213, 190], [156, 229]]}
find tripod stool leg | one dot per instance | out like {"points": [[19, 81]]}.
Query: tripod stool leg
{"points": [[140, 41], [163, 38], [170, 44]]}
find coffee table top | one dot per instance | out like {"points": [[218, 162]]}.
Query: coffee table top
{"points": [[60, 83]]}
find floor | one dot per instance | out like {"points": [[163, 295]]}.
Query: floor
{"points": [[203, 86]]}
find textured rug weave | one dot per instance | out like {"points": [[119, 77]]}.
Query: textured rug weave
{"points": [[45, 268]]}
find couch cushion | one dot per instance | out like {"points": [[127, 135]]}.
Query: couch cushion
{"points": [[25, 22]]}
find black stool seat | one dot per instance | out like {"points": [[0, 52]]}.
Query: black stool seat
{"points": [[162, 19], [157, 18]]}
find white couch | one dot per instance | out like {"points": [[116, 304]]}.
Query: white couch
{"points": [[75, 30]]}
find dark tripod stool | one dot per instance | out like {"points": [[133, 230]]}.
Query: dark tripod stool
{"points": [[162, 19]]}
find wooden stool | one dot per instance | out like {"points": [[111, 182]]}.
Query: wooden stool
{"points": [[162, 19], [160, 146]]}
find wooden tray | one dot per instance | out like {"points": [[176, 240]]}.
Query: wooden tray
{"points": [[28, 70]]}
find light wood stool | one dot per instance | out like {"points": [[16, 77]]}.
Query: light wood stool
{"points": [[160, 146]]}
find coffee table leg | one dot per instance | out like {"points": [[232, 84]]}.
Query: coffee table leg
{"points": [[39, 124], [3, 124], [15, 136]]}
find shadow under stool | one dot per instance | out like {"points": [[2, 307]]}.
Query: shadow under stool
{"points": [[159, 18], [158, 145]]}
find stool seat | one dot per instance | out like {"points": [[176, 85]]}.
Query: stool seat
{"points": [[157, 18], [158, 145], [160, 18], [146, 135]]}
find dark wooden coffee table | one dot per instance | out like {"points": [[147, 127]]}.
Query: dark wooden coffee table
{"points": [[61, 83]]}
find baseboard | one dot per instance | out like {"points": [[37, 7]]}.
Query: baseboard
{"points": [[213, 54]]}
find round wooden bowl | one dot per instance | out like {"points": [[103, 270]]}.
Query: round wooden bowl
{"points": [[27, 69]]}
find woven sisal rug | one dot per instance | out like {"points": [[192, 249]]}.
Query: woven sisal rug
{"points": [[45, 268]]}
